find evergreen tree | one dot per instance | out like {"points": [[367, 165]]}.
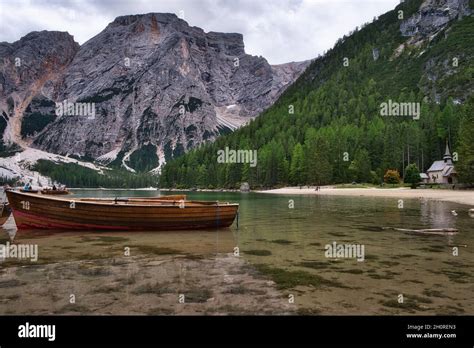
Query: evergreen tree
{"points": [[297, 165], [465, 166], [412, 175], [318, 159], [360, 167]]}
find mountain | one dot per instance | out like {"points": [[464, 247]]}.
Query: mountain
{"points": [[28, 69], [147, 88], [329, 127]]}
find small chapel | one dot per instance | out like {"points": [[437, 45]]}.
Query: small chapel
{"points": [[443, 172]]}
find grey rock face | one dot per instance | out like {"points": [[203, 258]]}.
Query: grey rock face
{"points": [[32, 57], [433, 16], [29, 67], [154, 80]]}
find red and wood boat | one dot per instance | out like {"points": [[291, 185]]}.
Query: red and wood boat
{"points": [[38, 211]]}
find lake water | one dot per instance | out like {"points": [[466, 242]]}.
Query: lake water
{"points": [[274, 262]]}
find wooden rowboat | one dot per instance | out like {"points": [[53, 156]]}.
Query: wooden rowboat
{"points": [[33, 211]]}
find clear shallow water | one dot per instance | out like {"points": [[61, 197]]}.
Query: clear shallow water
{"points": [[287, 245]]}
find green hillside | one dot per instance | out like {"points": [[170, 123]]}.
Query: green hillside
{"points": [[336, 133], [75, 175]]}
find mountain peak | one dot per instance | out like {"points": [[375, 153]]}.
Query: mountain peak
{"points": [[157, 85], [42, 36], [164, 18]]}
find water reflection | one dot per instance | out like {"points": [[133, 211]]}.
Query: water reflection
{"points": [[274, 240], [60, 245], [436, 215]]}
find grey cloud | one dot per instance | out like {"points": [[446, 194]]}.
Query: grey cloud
{"points": [[279, 30]]}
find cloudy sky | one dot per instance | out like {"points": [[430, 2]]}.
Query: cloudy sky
{"points": [[280, 30]]}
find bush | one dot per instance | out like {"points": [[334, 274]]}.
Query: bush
{"points": [[392, 176], [374, 178]]}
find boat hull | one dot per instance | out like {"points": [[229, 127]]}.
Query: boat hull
{"points": [[33, 211]]}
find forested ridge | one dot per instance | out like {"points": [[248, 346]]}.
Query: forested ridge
{"points": [[327, 128], [75, 175]]}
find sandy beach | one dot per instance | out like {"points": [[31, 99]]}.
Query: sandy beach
{"points": [[456, 196]]}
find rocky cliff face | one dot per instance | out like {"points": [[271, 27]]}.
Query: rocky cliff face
{"points": [[28, 69], [157, 87], [430, 22], [433, 16]]}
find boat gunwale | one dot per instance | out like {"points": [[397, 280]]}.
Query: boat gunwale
{"points": [[198, 204]]}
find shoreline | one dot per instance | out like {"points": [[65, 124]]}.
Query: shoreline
{"points": [[465, 197], [454, 196]]}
